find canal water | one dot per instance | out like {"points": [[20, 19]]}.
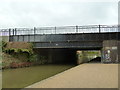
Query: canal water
{"points": [[22, 77]]}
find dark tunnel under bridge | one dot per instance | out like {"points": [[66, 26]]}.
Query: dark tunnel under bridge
{"points": [[60, 55], [57, 55]]}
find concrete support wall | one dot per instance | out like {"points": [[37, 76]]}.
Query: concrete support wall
{"points": [[84, 56], [81, 57], [110, 51]]}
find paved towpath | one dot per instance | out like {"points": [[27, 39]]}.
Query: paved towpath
{"points": [[83, 76]]}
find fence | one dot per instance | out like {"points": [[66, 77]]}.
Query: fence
{"points": [[59, 30]]}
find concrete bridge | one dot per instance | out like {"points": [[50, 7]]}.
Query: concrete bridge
{"points": [[65, 41]]}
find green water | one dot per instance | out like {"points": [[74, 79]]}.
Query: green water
{"points": [[22, 77]]}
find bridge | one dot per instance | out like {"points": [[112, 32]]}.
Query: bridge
{"points": [[66, 39]]}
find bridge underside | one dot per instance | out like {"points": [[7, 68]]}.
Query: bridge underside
{"points": [[73, 45]]}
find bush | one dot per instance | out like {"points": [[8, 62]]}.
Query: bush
{"points": [[3, 45], [33, 58]]}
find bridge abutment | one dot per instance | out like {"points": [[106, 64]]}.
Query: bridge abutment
{"points": [[110, 51]]}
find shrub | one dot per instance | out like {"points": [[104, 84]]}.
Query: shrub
{"points": [[33, 58], [3, 45]]}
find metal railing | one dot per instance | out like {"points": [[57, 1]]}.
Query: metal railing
{"points": [[59, 30]]}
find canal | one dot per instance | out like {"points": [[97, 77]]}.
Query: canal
{"points": [[22, 77]]}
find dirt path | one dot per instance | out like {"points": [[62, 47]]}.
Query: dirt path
{"points": [[83, 76]]}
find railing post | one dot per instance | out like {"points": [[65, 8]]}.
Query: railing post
{"points": [[34, 30], [15, 31], [9, 31], [99, 29], [9, 34], [55, 30], [76, 29], [34, 33]]}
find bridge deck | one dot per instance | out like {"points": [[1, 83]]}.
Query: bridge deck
{"points": [[78, 40]]}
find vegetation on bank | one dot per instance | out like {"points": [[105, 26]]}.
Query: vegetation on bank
{"points": [[19, 54]]}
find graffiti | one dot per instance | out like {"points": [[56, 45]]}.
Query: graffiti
{"points": [[107, 55]]}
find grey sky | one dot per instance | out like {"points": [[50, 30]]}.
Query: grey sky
{"points": [[30, 13]]}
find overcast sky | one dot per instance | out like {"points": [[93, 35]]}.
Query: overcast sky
{"points": [[37, 13]]}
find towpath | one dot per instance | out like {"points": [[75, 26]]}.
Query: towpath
{"points": [[83, 76]]}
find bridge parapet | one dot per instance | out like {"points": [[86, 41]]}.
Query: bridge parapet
{"points": [[60, 30]]}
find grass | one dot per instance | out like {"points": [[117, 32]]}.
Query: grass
{"points": [[22, 77]]}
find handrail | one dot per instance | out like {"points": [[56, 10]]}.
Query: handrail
{"points": [[59, 30]]}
